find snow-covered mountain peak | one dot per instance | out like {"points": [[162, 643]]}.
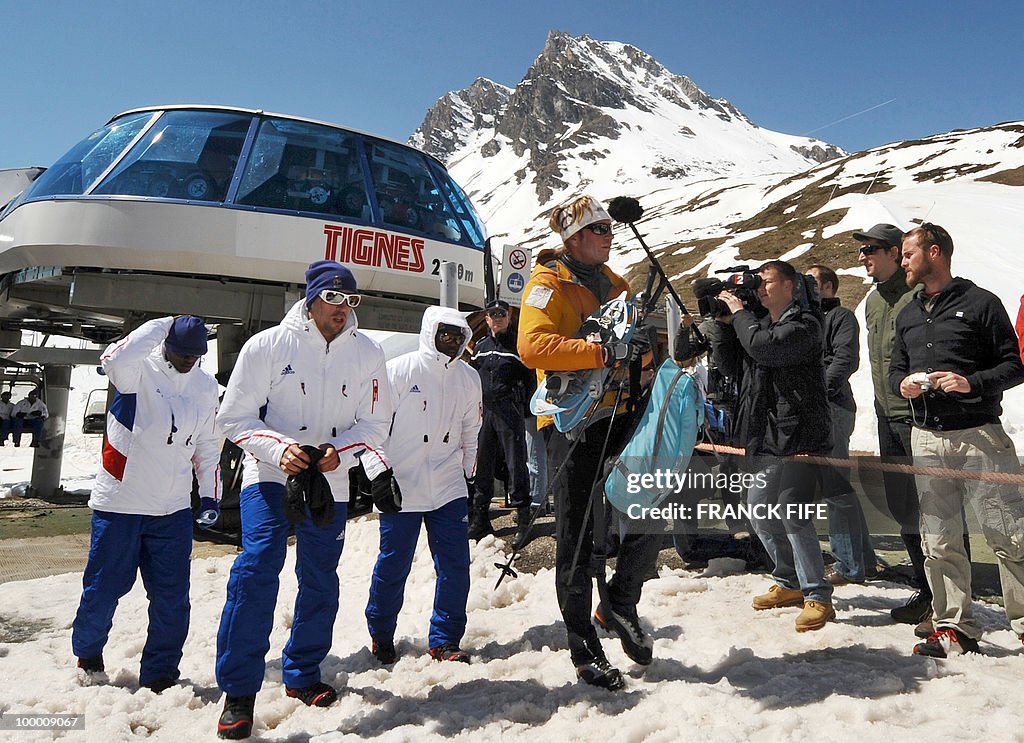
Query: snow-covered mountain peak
{"points": [[591, 112]]}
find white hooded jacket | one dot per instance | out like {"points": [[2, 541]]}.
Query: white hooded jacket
{"points": [[160, 427], [289, 386], [27, 407], [437, 418]]}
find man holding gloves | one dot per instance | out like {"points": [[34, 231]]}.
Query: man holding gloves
{"points": [[160, 429], [312, 380]]}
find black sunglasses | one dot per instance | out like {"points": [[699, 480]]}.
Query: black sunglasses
{"points": [[497, 313], [599, 229], [871, 249]]}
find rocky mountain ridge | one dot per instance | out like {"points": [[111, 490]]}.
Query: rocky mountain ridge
{"points": [[584, 102]]}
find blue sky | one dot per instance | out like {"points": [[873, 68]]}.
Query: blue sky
{"points": [[378, 66]]}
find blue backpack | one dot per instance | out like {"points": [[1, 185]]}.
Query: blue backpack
{"points": [[662, 441]]}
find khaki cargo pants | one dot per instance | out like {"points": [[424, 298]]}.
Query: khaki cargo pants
{"points": [[998, 507]]}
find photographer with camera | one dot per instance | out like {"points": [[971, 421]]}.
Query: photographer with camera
{"points": [[784, 412], [955, 353]]}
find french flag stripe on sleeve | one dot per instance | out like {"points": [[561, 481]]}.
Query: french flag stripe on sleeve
{"points": [[120, 421]]}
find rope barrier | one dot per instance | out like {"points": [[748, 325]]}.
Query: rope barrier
{"points": [[1005, 478]]}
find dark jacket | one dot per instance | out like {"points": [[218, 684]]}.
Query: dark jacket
{"points": [[842, 352], [786, 407], [730, 371], [503, 377], [880, 310], [967, 332]]}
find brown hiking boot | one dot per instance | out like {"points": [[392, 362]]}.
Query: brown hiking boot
{"points": [[814, 616], [925, 629], [777, 597]]}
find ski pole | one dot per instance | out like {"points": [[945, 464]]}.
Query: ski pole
{"points": [[506, 567], [599, 476]]}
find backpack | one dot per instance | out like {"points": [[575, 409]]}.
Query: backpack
{"points": [[662, 441]]}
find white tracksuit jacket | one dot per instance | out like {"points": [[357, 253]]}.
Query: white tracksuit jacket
{"points": [[160, 426], [26, 407], [290, 387], [437, 419]]}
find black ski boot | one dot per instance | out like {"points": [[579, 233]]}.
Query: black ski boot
{"points": [[479, 524], [594, 669], [626, 624], [235, 721], [523, 534]]}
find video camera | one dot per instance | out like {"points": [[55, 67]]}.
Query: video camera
{"points": [[741, 281]]}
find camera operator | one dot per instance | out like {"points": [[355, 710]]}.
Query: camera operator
{"points": [[955, 353], [784, 412]]}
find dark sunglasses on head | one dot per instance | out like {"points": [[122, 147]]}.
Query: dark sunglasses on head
{"points": [[599, 229], [497, 313], [334, 297]]}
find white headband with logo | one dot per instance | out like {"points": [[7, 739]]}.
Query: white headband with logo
{"points": [[594, 212]]}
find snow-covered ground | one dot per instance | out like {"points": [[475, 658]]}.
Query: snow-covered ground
{"points": [[721, 671]]}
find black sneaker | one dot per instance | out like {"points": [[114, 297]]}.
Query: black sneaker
{"points": [[916, 610], [235, 721], [873, 572], [317, 695], [160, 685], [625, 623], [597, 671], [945, 642], [449, 652], [384, 651], [91, 665]]}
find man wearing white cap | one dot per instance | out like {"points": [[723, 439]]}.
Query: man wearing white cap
{"points": [[566, 286]]}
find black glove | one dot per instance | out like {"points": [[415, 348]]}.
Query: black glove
{"points": [[618, 352], [19, 415], [309, 489], [35, 413], [386, 494]]}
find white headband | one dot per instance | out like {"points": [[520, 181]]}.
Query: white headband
{"points": [[594, 212]]}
